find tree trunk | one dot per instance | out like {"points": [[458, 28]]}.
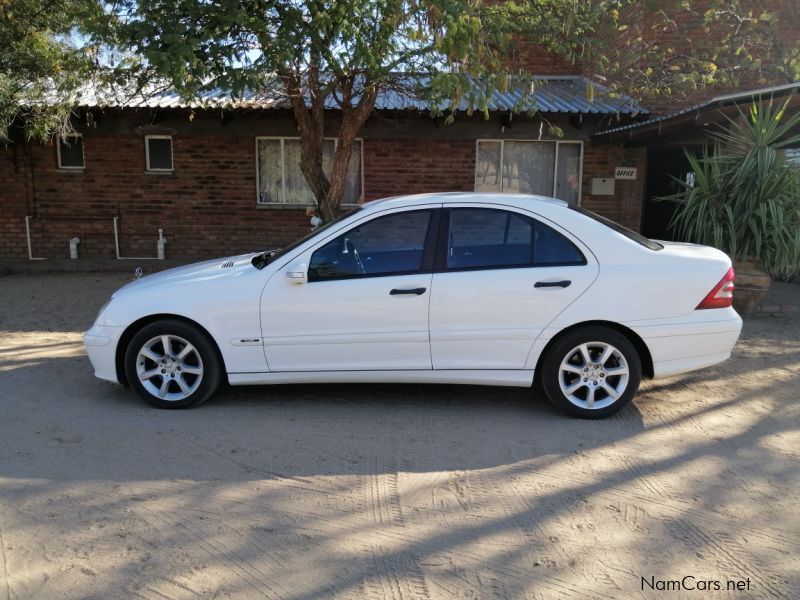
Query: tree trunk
{"points": [[311, 125], [353, 118], [328, 192]]}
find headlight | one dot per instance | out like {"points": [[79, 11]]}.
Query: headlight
{"points": [[102, 309]]}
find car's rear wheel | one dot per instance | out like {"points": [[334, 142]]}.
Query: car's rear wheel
{"points": [[592, 372], [172, 364]]}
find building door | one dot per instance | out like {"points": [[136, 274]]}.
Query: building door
{"points": [[664, 166]]}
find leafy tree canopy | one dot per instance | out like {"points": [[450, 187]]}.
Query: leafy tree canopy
{"points": [[341, 53], [42, 62]]}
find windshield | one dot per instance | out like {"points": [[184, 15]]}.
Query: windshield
{"points": [[628, 233], [262, 260]]}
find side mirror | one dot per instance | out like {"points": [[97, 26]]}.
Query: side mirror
{"points": [[296, 273]]}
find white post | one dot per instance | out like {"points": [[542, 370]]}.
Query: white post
{"points": [[116, 237], [161, 244], [28, 234]]}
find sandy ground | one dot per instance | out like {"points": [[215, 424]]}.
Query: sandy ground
{"points": [[386, 491]]}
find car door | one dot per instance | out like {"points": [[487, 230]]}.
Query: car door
{"points": [[501, 277], [363, 303]]}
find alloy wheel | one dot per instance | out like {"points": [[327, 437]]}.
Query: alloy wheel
{"points": [[169, 367], [593, 375]]}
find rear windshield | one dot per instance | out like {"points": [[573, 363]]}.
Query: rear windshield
{"points": [[628, 233]]}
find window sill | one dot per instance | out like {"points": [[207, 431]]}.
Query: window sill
{"points": [[70, 169], [164, 172]]}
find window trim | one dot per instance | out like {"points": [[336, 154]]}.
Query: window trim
{"points": [[284, 204], [58, 152], [440, 265], [429, 249], [558, 144], [147, 166]]}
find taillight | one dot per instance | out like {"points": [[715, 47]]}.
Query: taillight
{"points": [[722, 294]]}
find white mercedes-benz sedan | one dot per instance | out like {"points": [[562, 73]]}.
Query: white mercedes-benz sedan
{"points": [[461, 288]]}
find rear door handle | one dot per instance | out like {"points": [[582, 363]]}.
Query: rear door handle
{"points": [[415, 291], [547, 284]]}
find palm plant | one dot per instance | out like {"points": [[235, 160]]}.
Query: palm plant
{"points": [[745, 199]]}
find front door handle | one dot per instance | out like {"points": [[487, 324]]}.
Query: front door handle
{"points": [[547, 284], [415, 291]]}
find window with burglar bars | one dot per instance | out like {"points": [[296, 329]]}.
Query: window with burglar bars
{"points": [[530, 167], [281, 182]]}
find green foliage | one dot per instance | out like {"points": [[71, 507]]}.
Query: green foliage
{"points": [[341, 53], [745, 199], [41, 64], [677, 47]]}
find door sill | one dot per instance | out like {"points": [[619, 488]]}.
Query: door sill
{"points": [[510, 377]]}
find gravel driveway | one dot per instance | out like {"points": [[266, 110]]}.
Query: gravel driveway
{"points": [[384, 491]]}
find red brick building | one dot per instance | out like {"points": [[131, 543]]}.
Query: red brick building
{"points": [[225, 179], [219, 177]]}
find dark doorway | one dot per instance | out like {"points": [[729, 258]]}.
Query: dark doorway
{"points": [[664, 165]]}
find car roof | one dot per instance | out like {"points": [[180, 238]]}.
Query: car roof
{"points": [[522, 200]]}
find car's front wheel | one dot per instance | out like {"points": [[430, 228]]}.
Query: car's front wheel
{"points": [[592, 372], [172, 364]]}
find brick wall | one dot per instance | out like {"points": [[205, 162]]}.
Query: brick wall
{"points": [[14, 194], [207, 207], [625, 205], [528, 57], [413, 166]]}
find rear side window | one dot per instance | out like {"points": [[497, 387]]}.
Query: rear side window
{"points": [[389, 245], [628, 233], [483, 238]]}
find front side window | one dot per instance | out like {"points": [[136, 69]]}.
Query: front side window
{"points": [[70, 151], [158, 152], [483, 238], [389, 245], [281, 181], [529, 167]]}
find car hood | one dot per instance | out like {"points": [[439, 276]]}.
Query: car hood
{"points": [[208, 270]]}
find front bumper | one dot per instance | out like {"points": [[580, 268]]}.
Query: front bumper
{"points": [[101, 346]]}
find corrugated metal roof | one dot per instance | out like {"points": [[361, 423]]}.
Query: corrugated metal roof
{"points": [[717, 100], [568, 94]]}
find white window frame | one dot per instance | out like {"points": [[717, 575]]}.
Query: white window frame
{"points": [[147, 166], [282, 139], [558, 143], [58, 151]]}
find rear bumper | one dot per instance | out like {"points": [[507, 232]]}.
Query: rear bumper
{"points": [[704, 338], [101, 346]]}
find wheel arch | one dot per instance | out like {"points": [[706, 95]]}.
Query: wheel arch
{"points": [[132, 329], [635, 339]]}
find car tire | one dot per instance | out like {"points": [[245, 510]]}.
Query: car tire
{"points": [[172, 364], [595, 388]]}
